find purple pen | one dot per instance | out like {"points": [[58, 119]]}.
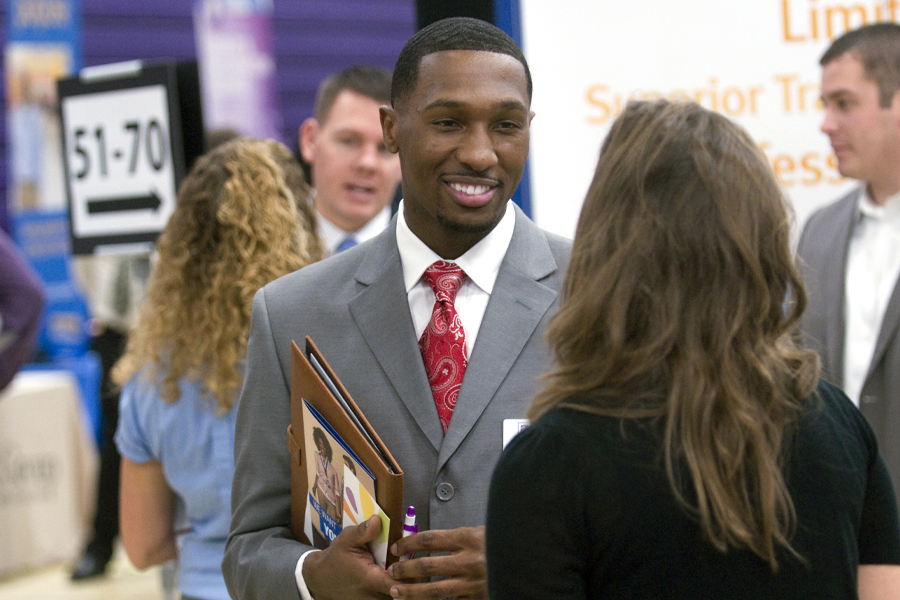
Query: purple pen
{"points": [[409, 527]]}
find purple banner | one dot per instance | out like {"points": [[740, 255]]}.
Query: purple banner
{"points": [[237, 66]]}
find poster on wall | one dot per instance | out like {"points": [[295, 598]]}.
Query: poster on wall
{"points": [[755, 62], [43, 44], [235, 49]]}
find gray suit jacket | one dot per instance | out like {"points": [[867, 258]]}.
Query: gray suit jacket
{"points": [[823, 262], [354, 306]]}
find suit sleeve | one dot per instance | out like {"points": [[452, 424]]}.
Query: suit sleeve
{"points": [[804, 235], [21, 307], [879, 527], [261, 553]]}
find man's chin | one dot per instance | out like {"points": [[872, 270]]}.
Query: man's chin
{"points": [[846, 167], [849, 172], [360, 218], [474, 227]]}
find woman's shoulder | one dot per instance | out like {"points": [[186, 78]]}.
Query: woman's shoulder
{"points": [[832, 414], [567, 433], [832, 400], [832, 395], [141, 400], [145, 389], [559, 425], [546, 436]]}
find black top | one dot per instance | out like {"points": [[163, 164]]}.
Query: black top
{"points": [[579, 510]]}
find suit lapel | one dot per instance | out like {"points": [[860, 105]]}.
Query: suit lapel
{"points": [[382, 314], [835, 260], [517, 305], [888, 328]]}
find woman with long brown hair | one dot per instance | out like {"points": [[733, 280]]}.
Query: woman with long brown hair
{"points": [[683, 446], [241, 220]]}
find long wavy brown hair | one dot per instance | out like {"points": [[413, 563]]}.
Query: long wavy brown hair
{"points": [[242, 219], [680, 303]]}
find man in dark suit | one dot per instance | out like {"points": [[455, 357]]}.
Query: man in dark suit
{"points": [[460, 118], [850, 250]]}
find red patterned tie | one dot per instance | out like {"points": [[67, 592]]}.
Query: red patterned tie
{"points": [[443, 344]]}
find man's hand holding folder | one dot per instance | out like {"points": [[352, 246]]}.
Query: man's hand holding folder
{"points": [[346, 569], [347, 565]]}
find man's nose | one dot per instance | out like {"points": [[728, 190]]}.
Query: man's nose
{"points": [[477, 150], [828, 123], [368, 156]]}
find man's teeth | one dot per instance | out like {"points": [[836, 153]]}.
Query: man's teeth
{"points": [[472, 190]]}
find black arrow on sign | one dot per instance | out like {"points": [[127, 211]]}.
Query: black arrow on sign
{"points": [[148, 202]]}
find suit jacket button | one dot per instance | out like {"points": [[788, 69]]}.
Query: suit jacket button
{"points": [[869, 399], [445, 492]]}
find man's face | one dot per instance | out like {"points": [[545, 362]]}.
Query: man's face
{"points": [[354, 175], [865, 136], [462, 136]]}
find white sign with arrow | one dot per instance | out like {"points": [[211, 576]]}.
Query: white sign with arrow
{"points": [[120, 165]]}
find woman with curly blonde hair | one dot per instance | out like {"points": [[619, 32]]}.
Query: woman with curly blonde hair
{"points": [[242, 219], [684, 446]]}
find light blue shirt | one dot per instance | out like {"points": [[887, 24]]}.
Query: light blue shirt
{"points": [[196, 450]]}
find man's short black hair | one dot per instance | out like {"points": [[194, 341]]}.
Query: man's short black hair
{"points": [[878, 48], [456, 33], [365, 80]]}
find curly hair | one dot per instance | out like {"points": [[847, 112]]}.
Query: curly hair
{"points": [[681, 303], [242, 219]]}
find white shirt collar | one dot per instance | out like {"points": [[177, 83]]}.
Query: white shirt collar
{"points": [[890, 210], [332, 235], [481, 262]]}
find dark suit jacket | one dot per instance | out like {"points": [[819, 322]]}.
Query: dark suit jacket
{"points": [[354, 306], [823, 262]]}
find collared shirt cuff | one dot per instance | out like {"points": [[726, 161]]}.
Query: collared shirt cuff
{"points": [[298, 575]]}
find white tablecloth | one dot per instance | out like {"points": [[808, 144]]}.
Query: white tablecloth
{"points": [[48, 467]]}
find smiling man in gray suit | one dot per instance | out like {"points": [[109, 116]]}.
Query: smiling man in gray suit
{"points": [[460, 118], [850, 250]]}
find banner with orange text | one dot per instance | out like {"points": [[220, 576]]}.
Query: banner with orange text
{"points": [[755, 61]]}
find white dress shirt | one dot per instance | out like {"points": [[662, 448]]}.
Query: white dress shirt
{"points": [[481, 264], [873, 265], [332, 235]]}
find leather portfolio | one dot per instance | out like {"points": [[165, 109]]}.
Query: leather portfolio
{"points": [[313, 380]]}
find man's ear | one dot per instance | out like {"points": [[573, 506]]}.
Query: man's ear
{"points": [[389, 125], [309, 132]]}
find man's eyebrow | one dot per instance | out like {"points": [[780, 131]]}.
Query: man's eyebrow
{"points": [[448, 103], [836, 94]]}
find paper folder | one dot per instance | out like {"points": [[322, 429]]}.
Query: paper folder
{"points": [[352, 426]]}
